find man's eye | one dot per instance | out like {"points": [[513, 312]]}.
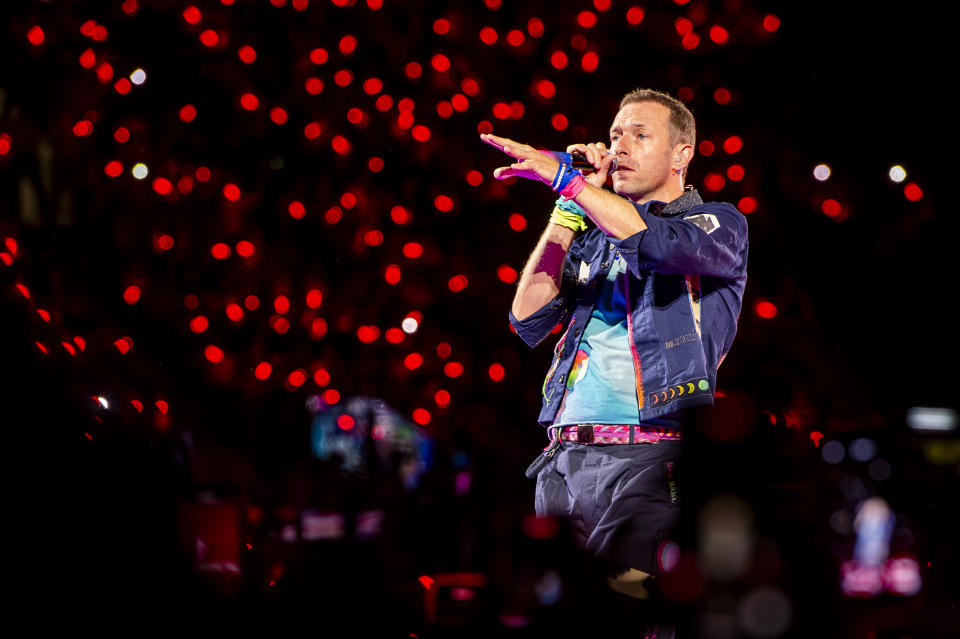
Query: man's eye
{"points": [[641, 135]]}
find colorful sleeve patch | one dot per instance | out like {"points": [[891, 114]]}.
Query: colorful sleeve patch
{"points": [[707, 222], [579, 369]]}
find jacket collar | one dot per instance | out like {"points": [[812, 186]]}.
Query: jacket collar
{"points": [[685, 202]]}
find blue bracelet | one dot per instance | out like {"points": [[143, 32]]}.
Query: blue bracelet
{"points": [[565, 174], [570, 207]]}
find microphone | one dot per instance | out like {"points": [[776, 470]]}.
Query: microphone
{"points": [[577, 160]]}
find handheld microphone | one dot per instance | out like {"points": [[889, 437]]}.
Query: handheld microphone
{"points": [[577, 160]]}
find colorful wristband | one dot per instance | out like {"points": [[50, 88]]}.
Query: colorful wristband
{"points": [[573, 187], [567, 219]]}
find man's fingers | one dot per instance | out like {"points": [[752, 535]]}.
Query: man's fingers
{"points": [[508, 146]]}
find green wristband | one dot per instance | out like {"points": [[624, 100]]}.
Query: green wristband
{"points": [[567, 219]]}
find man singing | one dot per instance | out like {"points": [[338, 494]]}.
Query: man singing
{"points": [[650, 297]]}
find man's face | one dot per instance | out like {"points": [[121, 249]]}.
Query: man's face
{"points": [[640, 137]]}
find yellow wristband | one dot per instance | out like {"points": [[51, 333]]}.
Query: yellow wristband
{"points": [[567, 219]]}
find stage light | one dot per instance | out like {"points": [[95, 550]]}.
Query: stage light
{"points": [[897, 173], [488, 35], [252, 302], [199, 324], [832, 452], [103, 402], [927, 419], [131, 295], [913, 192], [590, 61], [634, 15], [247, 54], [139, 170], [138, 77], [862, 449], [413, 361], [444, 350], [409, 325], [35, 36]]}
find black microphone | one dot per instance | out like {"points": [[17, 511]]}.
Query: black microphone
{"points": [[577, 160]]}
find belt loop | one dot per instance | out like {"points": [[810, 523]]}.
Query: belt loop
{"points": [[633, 429]]}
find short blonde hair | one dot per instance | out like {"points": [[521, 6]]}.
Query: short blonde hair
{"points": [[682, 127]]}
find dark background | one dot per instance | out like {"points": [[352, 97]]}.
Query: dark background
{"points": [[862, 330]]}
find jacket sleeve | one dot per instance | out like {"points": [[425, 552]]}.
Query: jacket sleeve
{"points": [[535, 328], [710, 239]]}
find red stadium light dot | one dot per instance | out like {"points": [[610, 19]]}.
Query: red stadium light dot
{"points": [[400, 215], [209, 37], [373, 238], [493, 5], [83, 128], [706, 147], [345, 422], [392, 274], [459, 102], [122, 86], [202, 174], [496, 372], [314, 298], [252, 302], [163, 186], [281, 304], [245, 248], [372, 86], [23, 290], [247, 54], [191, 301], [192, 15], [515, 37], [312, 131], [199, 324], [444, 109], [721, 96], [733, 144], [685, 94], [507, 274], [412, 250], [137, 404], [231, 192], [601, 5], [441, 398], [44, 315], [104, 72], [441, 26], [121, 135], [220, 251], [87, 27], [558, 59], [405, 120], [587, 19], [453, 369], [443, 203], [368, 334], [249, 101], [771, 22], [35, 36], [765, 309], [340, 145], [683, 26], [474, 178], [263, 371], [343, 77], [296, 210], [88, 59], [162, 406], [296, 379], [314, 86], [321, 377], [444, 350], [234, 312], [165, 242], [318, 328], [413, 70], [634, 15], [831, 208], [67, 346], [517, 222], [735, 172], [440, 62], [213, 353], [559, 121], [484, 126], [331, 396], [413, 361], [333, 215], [470, 86], [590, 61], [488, 35], [420, 133], [457, 283], [393, 335], [348, 44], [421, 416], [546, 88], [690, 41], [319, 55], [187, 113], [747, 205], [278, 115], [279, 324], [501, 110], [913, 192], [718, 34], [535, 27], [348, 200], [714, 181], [375, 164], [131, 295]]}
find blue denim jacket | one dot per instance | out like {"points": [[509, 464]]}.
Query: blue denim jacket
{"points": [[685, 280]]}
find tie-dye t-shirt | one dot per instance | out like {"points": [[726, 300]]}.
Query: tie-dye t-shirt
{"points": [[601, 388]]}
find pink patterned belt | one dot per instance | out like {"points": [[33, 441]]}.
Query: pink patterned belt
{"points": [[617, 434]]}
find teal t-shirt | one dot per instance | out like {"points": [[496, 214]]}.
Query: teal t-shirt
{"points": [[601, 387]]}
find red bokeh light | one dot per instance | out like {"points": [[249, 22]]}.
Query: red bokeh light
{"points": [[185, 184], [165, 242], [444, 109], [372, 86], [35, 35], [440, 62], [535, 27], [231, 192], [683, 26], [213, 353], [559, 121], [470, 86], [459, 102], [714, 181], [393, 335], [252, 302], [546, 88], [412, 250], [187, 113], [321, 377], [771, 22], [441, 26], [318, 328], [590, 61], [83, 128], [443, 203], [496, 372], [121, 135], [400, 215], [420, 133], [343, 77], [333, 215], [375, 164], [346, 422], [507, 274], [747, 205], [722, 96], [367, 333], [690, 41], [413, 361], [296, 210], [163, 186], [296, 378], [281, 304], [263, 371], [457, 283], [913, 192], [220, 251], [314, 86], [122, 86], [331, 396], [634, 15], [718, 34], [685, 94], [373, 238], [587, 19], [245, 248], [488, 35], [765, 309], [421, 416], [831, 208], [441, 398], [392, 274], [706, 147], [202, 173], [192, 15], [443, 350], [453, 369], [517, 222], [474, 178], [234, 312], [250, 102], [247, 54], [413, 70], [484, 126], [88, 59], [104, 72], [312, 130], [348, 44], [191, 301], [131, 295], [515, 37], [340, 145], [278, 115], [209, 37], [319, 55], [558, 59], [733, 144], [735, 172]]}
